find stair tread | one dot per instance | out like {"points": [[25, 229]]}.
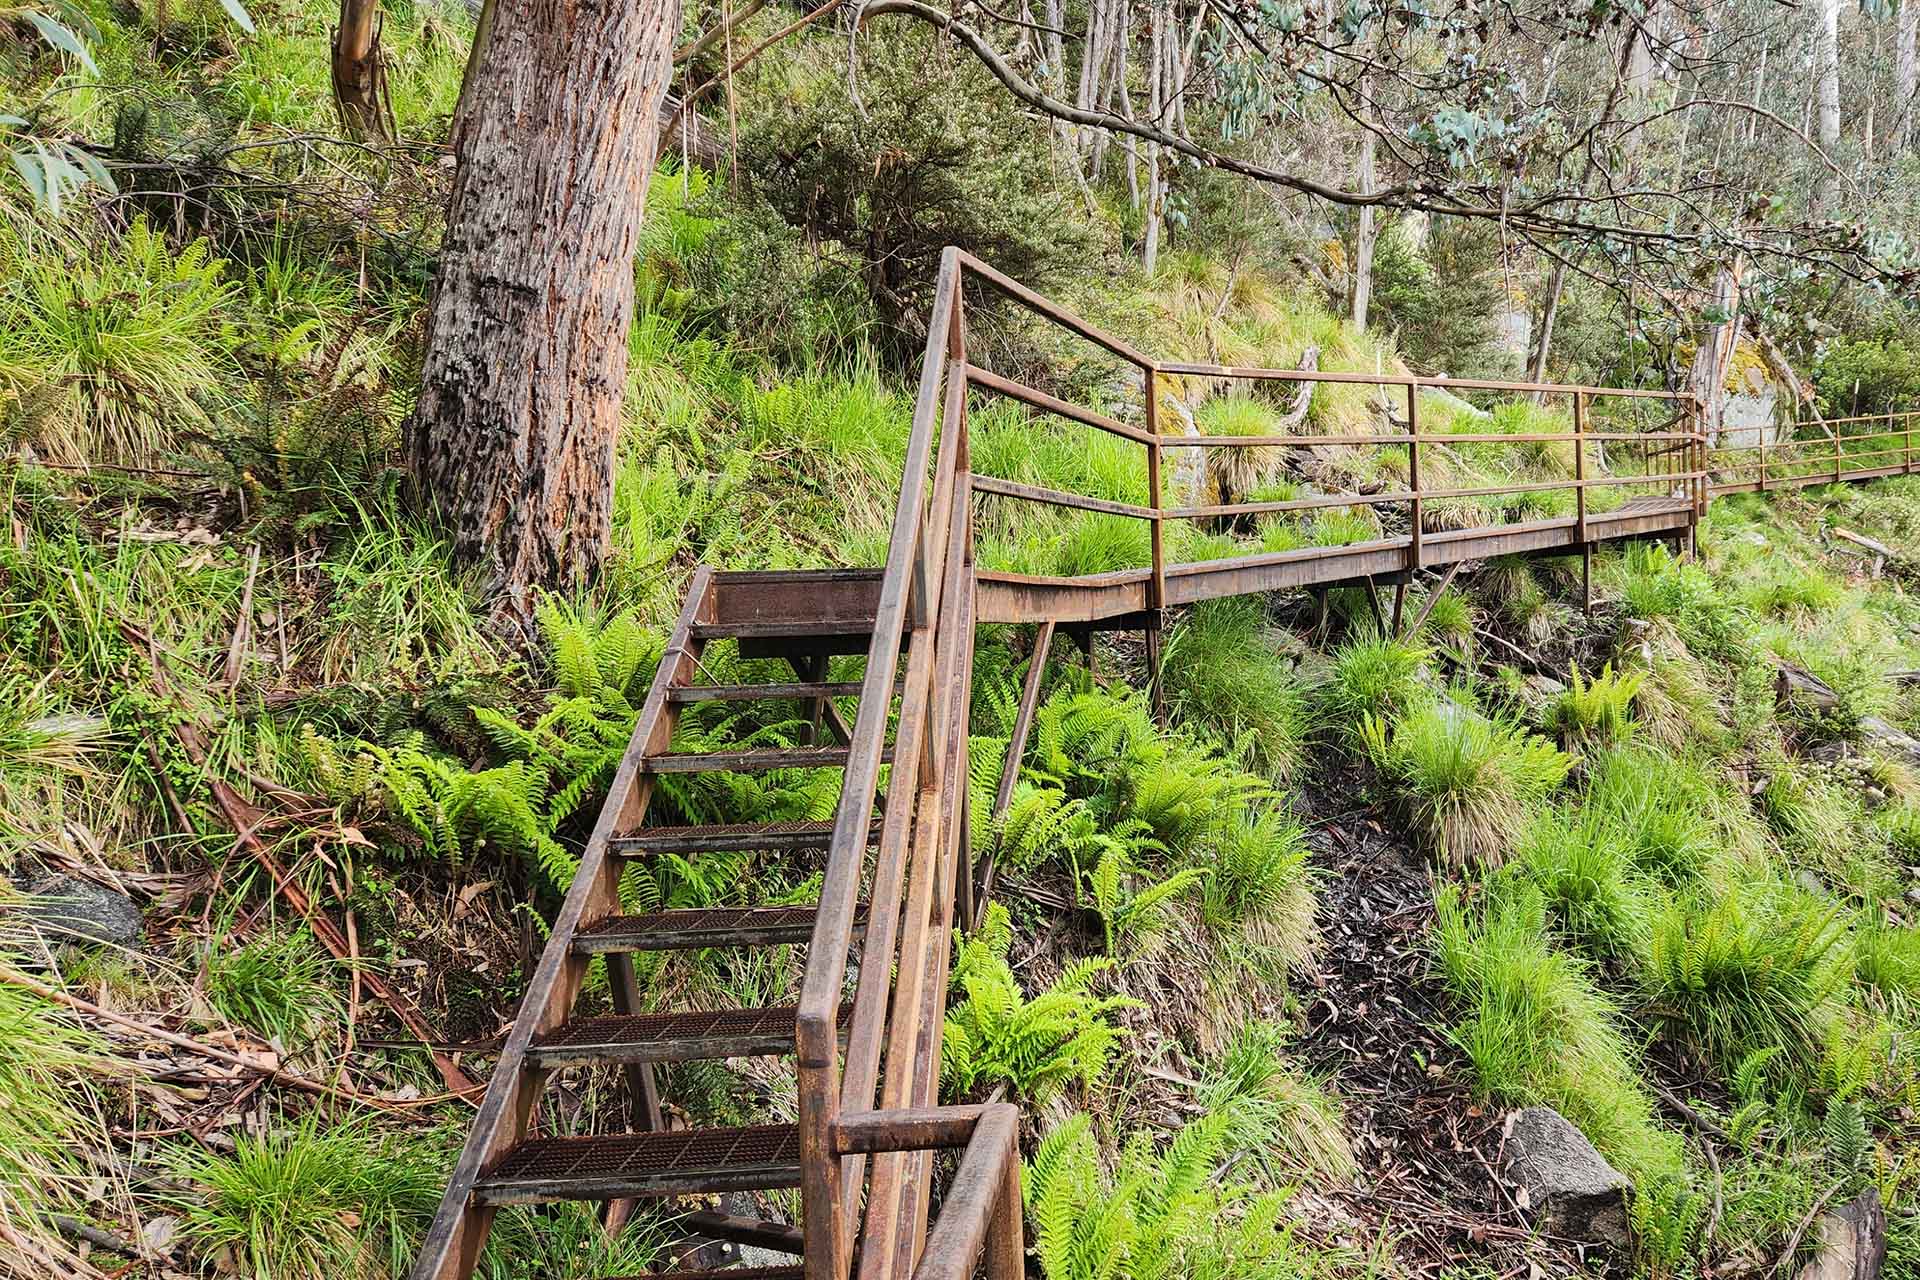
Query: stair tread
{"points": [[793, 1272], [689, 929], [757, 692], [671, 1037], [753, 759], [670, 1162], [759, 627]]}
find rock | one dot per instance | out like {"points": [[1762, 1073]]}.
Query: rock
{"points": [[1852, 1239], [1796, 684], [65, 908], [1566, 1185], [1890, 739]]}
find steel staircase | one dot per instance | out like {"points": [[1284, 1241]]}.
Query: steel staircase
{"points": [[899, 873]]}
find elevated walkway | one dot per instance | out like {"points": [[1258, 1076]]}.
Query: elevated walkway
{"points": [[863, 1033]]}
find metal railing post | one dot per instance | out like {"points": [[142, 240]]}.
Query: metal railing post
{"points": [[1415, 550], [1907, 462], [1580, 466], [1157, 594]]}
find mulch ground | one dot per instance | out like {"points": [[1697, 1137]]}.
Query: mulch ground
{"points": [[1374, 1020]]}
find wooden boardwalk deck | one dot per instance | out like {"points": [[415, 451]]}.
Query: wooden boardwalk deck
{"points": [[1012, 597]]}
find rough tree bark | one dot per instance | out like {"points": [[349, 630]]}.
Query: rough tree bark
{"points": [[359, 70], [1708, 377], [527, 326]]}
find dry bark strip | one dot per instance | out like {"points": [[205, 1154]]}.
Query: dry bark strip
{"points": [[275, 1074], [244, 818]]}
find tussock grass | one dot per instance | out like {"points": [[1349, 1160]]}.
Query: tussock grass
{"points": [[1285, 1120], [1536, 1028], [310, 1203], [131, 333], [51, 1131], [1658, 807], [1370, 675], [1225, 678], [1596, 896], [278, 985], [1258, 882], [1467, 784]]}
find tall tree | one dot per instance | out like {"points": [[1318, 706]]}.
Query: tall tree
{"points": [[527, 326], [1826, 75]]}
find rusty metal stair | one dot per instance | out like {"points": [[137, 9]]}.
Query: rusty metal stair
{"points": [[636, 1165], [667, 1037], [507, 1159], [702, 928]]}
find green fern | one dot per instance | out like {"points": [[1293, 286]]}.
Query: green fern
{"points": [[994, 1034]]}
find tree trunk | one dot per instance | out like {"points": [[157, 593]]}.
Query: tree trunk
{"points": [[1368, 232], [1708, 377], [527, 326], [360, 73], [1906, 75], [1826, 72], [1549, 312]]}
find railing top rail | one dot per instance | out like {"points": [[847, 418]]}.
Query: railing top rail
{"points": [[819, 999], [1050, 310], [1414, 380]]}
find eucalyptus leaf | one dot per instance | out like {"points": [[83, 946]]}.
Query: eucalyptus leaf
{"points": [[62, 38]]}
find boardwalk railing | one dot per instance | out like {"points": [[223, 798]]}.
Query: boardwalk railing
{"points": [[1863, 447], [869, 1122]]}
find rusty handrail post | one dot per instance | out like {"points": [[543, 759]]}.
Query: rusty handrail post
{"points": [[1907, 464], [1416, 508], [1157, 582], [1580, 467]]}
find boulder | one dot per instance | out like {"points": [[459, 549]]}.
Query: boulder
{"points": [[64, 908], [1891, 739], [1568, 1187], [1852, 1240]]}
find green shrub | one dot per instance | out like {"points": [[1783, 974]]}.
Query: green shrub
{"points": [[1866, 375], [1466, 783], [1745, 971]]}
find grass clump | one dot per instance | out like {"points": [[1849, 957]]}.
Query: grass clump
{"points": [[1225, 678], [1467, 784], [1258, 882], [1281, 1117], [1595, 895], [47, 1129], [307, 1203], [277, 985], [1371, 675], [1537, 1029], [130, 333]]}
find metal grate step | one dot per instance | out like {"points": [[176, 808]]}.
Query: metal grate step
{"points": [[793, 1272], [731, 837], [707, 927], [761, 692], [618, 1166], [758, 760], [668, 1037]]}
